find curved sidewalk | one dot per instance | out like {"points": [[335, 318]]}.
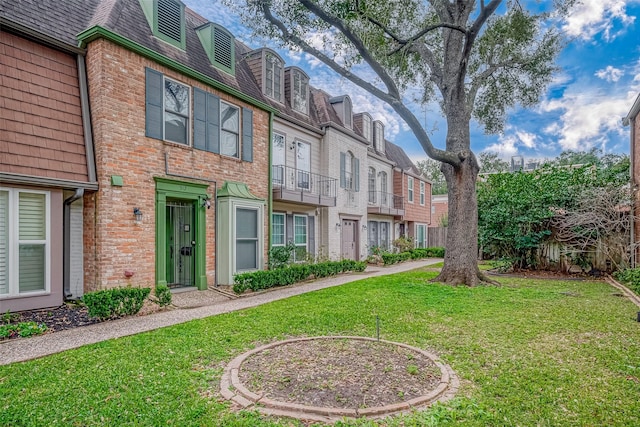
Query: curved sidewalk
{"points": [[18, 350]]}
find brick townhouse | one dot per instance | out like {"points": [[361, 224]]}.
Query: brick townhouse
{"points": [[180, 141], [631, 120]]}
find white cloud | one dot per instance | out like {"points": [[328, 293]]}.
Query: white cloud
{"points": [[610, 73], [506, 147], [512, 141], [527, 139], [591, 17], [586, 118]]}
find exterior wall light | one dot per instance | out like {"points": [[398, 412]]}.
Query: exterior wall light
{"points": [[138, 214]]}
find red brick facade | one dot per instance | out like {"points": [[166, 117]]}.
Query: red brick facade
{"points": [[440, 209], [413, 211], [41, 131], [115, 242]]}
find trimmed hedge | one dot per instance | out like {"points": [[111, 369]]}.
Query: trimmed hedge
{"points": [[265, 279], [117, 302], [389, 258], [417, 253]]}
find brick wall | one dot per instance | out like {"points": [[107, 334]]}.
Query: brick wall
{"points": [[635, 161], [41, 134], [115, 241], [441, 210], [413, 212]]}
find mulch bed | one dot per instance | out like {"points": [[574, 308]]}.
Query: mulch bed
{"points": [[340, 373], [67, 316]]}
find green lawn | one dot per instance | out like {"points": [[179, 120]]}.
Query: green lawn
{"points": [[528, 353]]}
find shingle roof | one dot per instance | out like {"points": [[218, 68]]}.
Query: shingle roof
{"points": [[64, 20], [397, 155]]}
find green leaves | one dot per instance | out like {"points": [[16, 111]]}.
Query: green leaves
{"points": [[117, 302], [514, 209]]}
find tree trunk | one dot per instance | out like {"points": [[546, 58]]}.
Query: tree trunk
{"points": [[461, 255]]}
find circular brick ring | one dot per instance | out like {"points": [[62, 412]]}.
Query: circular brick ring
{"points": [[233, 389]]}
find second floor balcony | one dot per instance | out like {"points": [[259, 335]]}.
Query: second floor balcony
{"points": [[296, 185], [385, 204]]}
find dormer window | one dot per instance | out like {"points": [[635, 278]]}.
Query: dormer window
{"points": [[378, 136], [342, 105], [366, 127], [273, 76], [166, 19], [347, 118], [299, 91], [219, 45]]}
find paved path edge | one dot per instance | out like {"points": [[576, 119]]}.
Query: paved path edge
{"points": [[23, 349]]}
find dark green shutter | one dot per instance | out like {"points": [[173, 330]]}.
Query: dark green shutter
{"points": [[153, 104], [343, 176], [247, 135], [199, 119], [356, 174], [213, 123]]}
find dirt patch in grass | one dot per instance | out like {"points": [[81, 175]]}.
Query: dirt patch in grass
{"points": [[340, 373]]}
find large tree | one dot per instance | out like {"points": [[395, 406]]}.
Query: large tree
{"points": [[431, 170], [475, 58]]}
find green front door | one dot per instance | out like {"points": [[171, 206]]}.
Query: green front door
{"points": [[181, 243]]}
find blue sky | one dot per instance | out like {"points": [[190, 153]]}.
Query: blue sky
{"points": [[598, 81]]}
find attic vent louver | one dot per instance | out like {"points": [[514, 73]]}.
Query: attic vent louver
{"points": [[223, 52], [170, 19]]}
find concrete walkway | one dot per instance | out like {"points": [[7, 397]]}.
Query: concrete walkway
{"points": [[188, 306]]}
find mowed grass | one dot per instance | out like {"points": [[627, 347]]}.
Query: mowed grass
{"points": [[528, 353]]}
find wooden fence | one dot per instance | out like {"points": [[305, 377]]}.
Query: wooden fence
{"points": [[436, 236]]}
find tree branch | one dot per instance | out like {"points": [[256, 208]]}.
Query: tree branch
{"points": [[357, 43], [393, 98]]}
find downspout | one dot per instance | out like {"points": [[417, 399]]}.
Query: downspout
{"points": [[270, 189], [66, 243], [86, 120]]}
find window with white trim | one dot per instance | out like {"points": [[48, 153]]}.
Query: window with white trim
{"points": [[422, 198], [229, 130], [378, 235], [366, 127], [410, 189], [247, 239], [300, 92], [348, 114], [372, 186], [378, 136], [274, 75], [278, 159], [176, 111], [300, 237], [278, 230], [384, 196], [421, 236], [25, 242]]}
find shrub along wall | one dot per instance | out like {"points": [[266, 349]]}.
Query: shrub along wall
{"points": [[389, 258], [265, 279]]}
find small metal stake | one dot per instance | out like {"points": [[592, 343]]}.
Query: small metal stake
{"points": [[378, 325], [639, 316]]}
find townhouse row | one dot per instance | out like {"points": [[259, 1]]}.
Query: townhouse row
{"points": [[141, 144]]}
